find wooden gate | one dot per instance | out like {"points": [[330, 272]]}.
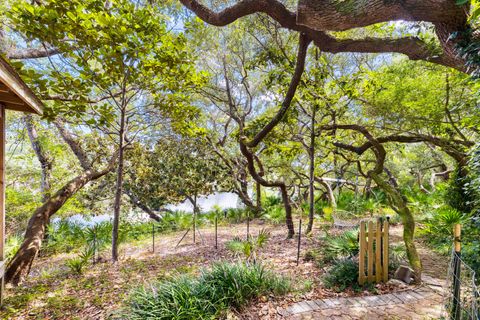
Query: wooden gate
{"points": [[373, 255]]}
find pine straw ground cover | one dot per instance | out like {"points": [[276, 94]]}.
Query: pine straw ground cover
{"points": [[53, 292]]}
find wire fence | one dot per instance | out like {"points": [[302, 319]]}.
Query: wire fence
{"points": [[462, 294]]}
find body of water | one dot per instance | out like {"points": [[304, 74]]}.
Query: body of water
{"points": [[223, 200]]}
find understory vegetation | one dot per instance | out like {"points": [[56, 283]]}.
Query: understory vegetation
{"points": [[207, 296]]}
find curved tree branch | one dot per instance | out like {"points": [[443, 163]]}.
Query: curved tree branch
{"points": [[32, 53], [297, 76], [451, 147], [445, 14], [73, 144]]}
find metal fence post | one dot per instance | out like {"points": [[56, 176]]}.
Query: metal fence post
{"points": [[153, 237], [94, 244], [299, 240], [248, 225], [216, 233]]}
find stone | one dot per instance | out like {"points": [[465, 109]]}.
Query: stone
{"points": [[404, 274], [397, 283]]}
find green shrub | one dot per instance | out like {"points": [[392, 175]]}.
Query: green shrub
{"points": [[343, 245], [312, 255], [176, 220], [397, 257], [224, 286], [236, 215], [457, 194], [319, 257], [250, 247], [359, 204], [180, 298], [440, 226], [12, 245], [473, 188], [77, 264], [341, 275], [275, 214], [398, 253], [234, 284], [271, 201]]}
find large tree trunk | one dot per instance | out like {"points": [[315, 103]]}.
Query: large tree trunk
{"points": [[399, 204], [118, 187], [288, 212], [258, 195], [45, 161], [19, 266]]}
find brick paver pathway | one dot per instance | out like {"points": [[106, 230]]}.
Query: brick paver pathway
{"points": [[424, 302], [419, 303]]}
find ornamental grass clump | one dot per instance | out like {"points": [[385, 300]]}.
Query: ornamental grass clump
{"points": [[209, 296]]}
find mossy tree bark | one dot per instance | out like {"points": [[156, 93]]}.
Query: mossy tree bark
{"points": [[388, 185], [318, 18], [399, 204]]}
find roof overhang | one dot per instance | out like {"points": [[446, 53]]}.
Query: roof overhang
{"points": [[14, 93]]}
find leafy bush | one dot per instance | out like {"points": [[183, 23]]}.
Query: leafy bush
{"points": [[440, 226], [234, 284], [360, 204], [397, 257], [12, 245], [473, 188], [342, 274], [224, 286], [343, 245], [456, 193], [275, 214], [180, 298], [250, 247], [312, 255], [176, 220], [77, 264], [271, 201], [235, 215], [398, 253]]}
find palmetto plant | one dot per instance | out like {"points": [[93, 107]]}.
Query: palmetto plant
{"points": [[398, 253], [249, 248], [343, 245], [444, 220], [77, 263]]}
